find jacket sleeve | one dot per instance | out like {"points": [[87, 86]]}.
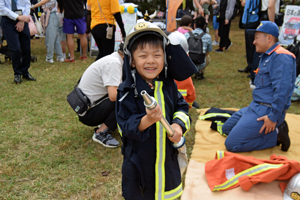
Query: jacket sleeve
{"points": [[181, 109], [229, 9], [281, 74], [128, 118]]}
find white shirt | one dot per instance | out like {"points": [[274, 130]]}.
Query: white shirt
{"points": [[5, 8], [265, 5], [106, 71]]}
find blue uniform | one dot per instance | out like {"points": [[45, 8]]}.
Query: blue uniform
{"points": [[274, 83], [150, 167]]}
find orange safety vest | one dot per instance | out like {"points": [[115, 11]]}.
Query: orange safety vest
{"points": [[230, 170], [187, 90]]}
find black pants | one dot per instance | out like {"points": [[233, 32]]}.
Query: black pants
{"points": [[19, 44], [104, 112], [105, 46], [224, 33], [250, 48]]}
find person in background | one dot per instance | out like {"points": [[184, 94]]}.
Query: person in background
{"points": [[226, 9], [215, 23], [74, 18], [200, 26], [261, 125], [62, 35], [99, 83], [101, 14], [185, 24], [16, 32], [52, 40]]}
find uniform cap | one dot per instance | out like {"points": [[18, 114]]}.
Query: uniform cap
{"points": [[266, 27], [292, 190]]}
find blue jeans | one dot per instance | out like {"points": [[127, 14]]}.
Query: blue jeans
{"points": [[52, 40], [19, 44]]}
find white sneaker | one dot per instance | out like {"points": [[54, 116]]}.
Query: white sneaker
{"points": [[60, 59], [252, 87], [49, 60], [215, 43], [207, 30]]}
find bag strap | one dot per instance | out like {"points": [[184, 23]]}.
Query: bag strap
{"points": [[102, 13]]}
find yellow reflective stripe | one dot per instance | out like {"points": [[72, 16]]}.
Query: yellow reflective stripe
{"points": [[209, 115], [119, 129], [160, 145], [175, 193], [219, 128], [249, 172], [183, 92], [190, 104], [220, 154], [184, 118]]}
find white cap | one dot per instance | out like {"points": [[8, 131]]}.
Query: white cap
{"points": [[292, 190], [178, 38]]}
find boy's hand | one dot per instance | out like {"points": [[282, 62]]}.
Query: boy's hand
{"points": [[155, 114], [177, 133]]}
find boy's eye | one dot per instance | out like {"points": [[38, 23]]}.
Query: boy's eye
{"points": [[157, 55]]}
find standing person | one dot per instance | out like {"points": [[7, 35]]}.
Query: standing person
{"points": [[74, 18], [150, 167], [52, 40], [99, 83], [101, 14], [261, 125], [62, 35], [225, 13], [16, 32], [215, 23], [200, 26]]}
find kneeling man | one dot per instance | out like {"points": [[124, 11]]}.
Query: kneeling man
{"points": [[261, 125]]}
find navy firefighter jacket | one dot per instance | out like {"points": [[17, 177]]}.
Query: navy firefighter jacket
{"points": [[150, 168]]}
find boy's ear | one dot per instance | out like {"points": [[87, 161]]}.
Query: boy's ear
{"points": [[133, 64]]}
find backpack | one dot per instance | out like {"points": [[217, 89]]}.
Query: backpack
{"points": [[196, 48], [251, 15]]}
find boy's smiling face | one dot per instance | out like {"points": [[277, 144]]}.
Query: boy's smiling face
{"points": [[148, 61]]}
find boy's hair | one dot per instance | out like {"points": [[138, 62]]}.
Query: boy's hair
{"points": [[186, 20], [200, 22], [150, 39]]}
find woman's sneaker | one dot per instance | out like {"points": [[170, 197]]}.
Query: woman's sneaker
{"points": [[105, 138]]}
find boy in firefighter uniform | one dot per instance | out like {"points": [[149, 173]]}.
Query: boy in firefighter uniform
{"points": [[150, 167], [261, 125]]}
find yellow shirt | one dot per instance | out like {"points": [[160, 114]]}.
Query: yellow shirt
{"points": [[108, 7]]}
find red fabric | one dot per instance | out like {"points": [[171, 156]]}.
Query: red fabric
{"points": [[215, 170], [188, 85]]}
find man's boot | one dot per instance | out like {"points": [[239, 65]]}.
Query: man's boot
{"points": [[283, 136]]}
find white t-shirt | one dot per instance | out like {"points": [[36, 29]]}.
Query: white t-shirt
{"points": [[51, 3], [265, 5], [106, 71]]}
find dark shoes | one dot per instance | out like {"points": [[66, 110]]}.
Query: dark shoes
{"points": [[246, 70], [29, 77], [226, 48], [17, 79], [219, 50], [283, 136], [105, 138], [195, 105], [199, 76]]}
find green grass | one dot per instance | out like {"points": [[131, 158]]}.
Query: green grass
{"points": [[46, 153]]}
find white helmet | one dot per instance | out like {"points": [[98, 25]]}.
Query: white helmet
{"points": [[292, 190], [141, 28], [178, 38]]}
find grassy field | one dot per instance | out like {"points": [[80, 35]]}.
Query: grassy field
{"points": [[46, 153]]}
